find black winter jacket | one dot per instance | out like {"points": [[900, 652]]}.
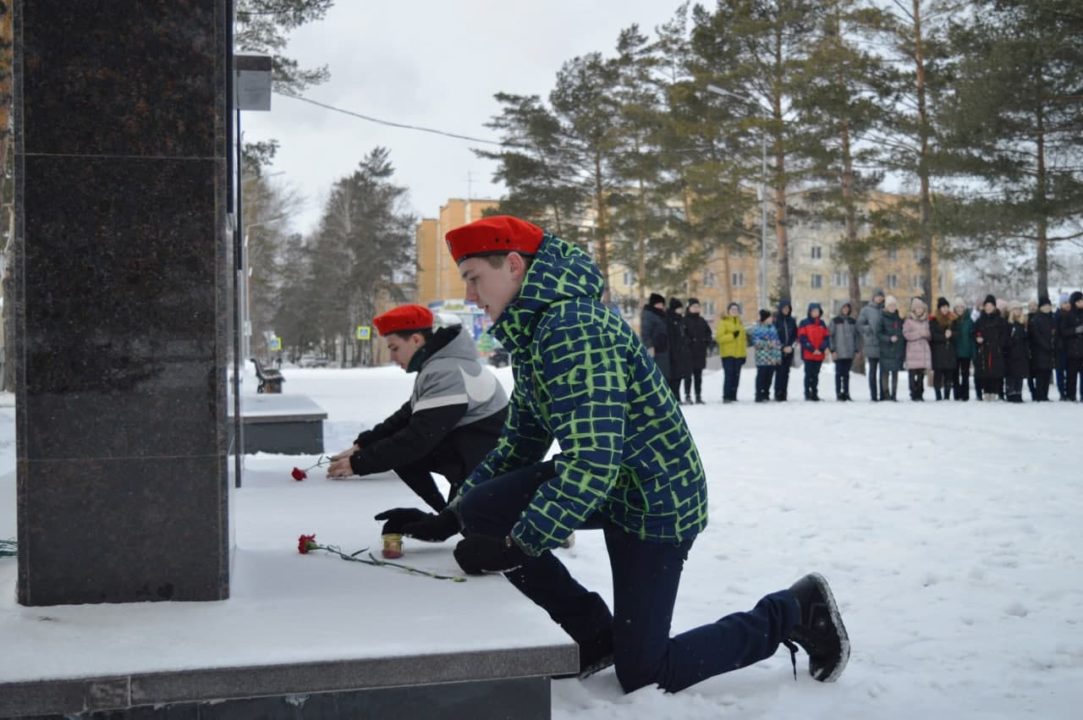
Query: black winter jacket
{"points": [[1041, 336], [989, 353]]}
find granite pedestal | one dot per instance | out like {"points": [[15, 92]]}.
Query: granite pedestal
{"points": [[121, 300]]}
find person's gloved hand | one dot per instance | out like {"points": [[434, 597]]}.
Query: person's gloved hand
{"points": [[478, 554], [433, 528], [736, 333], [398, 518]]}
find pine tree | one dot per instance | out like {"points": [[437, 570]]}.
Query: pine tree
{"points": [[843, 97], [705, 146], [363, 249], [262, 26], [297, 301], [1016, 109], [584, 105], [536, 165], [647, 239], [916, 36], [755, 50]]}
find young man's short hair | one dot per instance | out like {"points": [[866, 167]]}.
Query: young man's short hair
{"points": [[425, 333]]}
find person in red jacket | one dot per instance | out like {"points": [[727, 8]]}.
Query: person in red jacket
{"points": [[815, 338]]}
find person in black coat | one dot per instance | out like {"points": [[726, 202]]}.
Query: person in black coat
{"points": [[1017, 361], [1041, 339], [1070, 331], [991, 340], [786, 327], [680, 355], [652, 330], [698, 333], [945, 363]]}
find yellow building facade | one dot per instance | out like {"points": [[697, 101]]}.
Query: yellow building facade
{"points": [[437, 275]]}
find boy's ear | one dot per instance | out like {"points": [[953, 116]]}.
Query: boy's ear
{"points": [[517, 264]]}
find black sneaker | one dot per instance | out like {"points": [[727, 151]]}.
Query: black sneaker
{"points": [[820, 631]]}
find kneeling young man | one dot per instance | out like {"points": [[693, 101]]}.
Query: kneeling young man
{"points": [[627, 465], [451, 421]]}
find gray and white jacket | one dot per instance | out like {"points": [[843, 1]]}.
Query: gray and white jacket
{"points": [[868, 320], [457, 405]]}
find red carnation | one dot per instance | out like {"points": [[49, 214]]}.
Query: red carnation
{"points": [[306, 543], [299, 475]]}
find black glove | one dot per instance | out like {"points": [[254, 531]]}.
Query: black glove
{"points": [[433, 528], [478, 554], [398, 518], [736, 333]]}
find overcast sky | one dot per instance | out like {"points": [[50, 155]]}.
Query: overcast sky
{"points": [[435, 63]]}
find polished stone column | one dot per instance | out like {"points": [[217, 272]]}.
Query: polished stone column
{"points": [[122, 300]]}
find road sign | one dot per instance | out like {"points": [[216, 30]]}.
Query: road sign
{"points": [[364, 332]]}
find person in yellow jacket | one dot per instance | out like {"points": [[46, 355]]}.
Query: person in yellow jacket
{"points": [[733, 345]]}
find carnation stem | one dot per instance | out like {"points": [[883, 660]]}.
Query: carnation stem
{"points": [[372, 560]]}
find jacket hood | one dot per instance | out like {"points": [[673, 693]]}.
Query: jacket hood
{"points": [[560, 271], [784, 304], [815, 306], [449, 342], [460, 346]]}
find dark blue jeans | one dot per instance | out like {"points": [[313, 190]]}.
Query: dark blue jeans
{"points": [[731, 372], [645, 580]]}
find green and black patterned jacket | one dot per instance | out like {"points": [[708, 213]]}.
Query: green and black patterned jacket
{"points": [[584, 379]]}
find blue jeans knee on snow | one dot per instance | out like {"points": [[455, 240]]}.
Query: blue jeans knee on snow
{"points": [[646, 576]]}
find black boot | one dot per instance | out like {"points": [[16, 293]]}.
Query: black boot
{"points": [[820, 631]]}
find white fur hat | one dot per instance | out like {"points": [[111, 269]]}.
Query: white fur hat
{"points": [[891, 300]]}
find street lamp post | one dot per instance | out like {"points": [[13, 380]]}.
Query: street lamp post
{"points": [[762, 192]]}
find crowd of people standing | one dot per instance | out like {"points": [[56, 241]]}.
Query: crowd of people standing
{"points": [[1006, 347]]}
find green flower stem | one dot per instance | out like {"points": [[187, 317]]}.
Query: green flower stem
{"points": [[372, 560]]}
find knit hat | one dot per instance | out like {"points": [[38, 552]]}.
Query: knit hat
{"points": [[942, 302], [878, 291], [404, 318], [494, 235], [918, 305], [764, 314], [655, 299], [1075, 297], [1044, 300], [890, 300], [990, 299], [693, 301], [1064, 297], [958, 302], [674, 303]]}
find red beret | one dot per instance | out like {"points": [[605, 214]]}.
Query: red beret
{"points": [[494, 235], [404, 318]]}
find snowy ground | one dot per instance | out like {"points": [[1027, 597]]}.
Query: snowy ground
{"points": [[950, 533]]}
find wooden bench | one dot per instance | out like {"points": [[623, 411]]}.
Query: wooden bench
{"points": [[270, 381]]}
